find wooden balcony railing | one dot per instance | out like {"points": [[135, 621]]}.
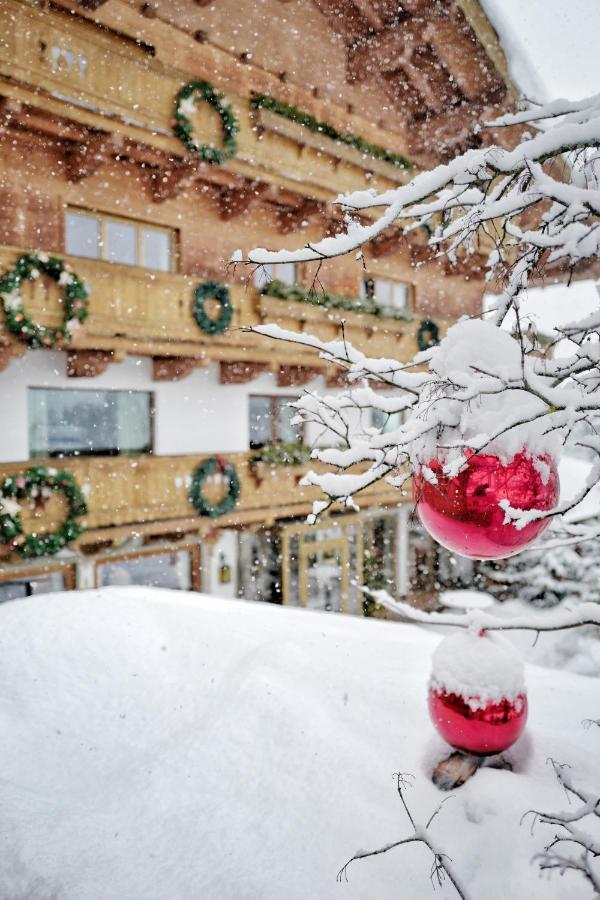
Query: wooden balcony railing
{"points": [[149, 494], [69, 67], [133, 310]]}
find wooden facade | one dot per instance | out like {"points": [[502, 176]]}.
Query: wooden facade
{"points": [[151, 494], [141, 312], [87, 105]]}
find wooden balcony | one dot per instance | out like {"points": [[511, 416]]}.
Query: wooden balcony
{"points": [[138, 311], [149, 495], [69, 68]]}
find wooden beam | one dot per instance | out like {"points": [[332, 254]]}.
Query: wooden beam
{"points": [[165, 184], [291, 219], [336, 378], [84, 159], [240, 372], [296, 376], [172, 368], [235, 201], [386, 244], [88, 363], [10, 349], [457, 47]]}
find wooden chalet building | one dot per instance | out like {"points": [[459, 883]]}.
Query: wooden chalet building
{"points": [[141, 143]]}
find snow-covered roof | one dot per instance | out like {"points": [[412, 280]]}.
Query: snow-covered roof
{"points": [[551, 46], [573, 475], [168, 745]]}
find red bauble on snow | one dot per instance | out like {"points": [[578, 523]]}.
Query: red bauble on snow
{"points": [[484, 731], [463, 514], [477, 697]]}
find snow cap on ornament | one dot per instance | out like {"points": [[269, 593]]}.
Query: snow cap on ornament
{"points": [[477, 695]]}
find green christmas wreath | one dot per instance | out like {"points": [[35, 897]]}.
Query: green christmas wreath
{"points": [[213, 466], [214, 291], [185, 106], [37, 485], [29, 267], [428, 334]]}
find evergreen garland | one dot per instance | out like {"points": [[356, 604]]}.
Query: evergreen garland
{"points": [[37, 484], [298, 294], [214, 291], [185, 103], [28, 268], [213, 466], [294, 114], [282, 455]]}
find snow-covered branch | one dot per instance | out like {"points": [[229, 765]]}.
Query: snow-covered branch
{"points": [[485, 390], [477, 620], [572, 848], [442, 866], [486, 191]]}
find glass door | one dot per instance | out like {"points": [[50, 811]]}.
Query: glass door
{"points": [[321, 566]]}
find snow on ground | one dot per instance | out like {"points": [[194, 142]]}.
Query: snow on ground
{"points": [[172, 746], [575, 650]]}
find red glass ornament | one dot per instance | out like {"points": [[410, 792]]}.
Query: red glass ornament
{"points": [[482, 732], [462, 512]]}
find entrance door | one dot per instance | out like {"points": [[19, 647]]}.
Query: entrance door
{"points": [[324, 575], [321, 565]]}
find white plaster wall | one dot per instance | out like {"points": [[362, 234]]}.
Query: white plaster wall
{"points": [[194, 415]]}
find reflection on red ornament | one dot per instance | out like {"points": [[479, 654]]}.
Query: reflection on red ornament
{"points": [[482, 732], [463, 514]]}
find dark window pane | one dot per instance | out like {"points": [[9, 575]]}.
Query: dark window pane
{"points": [[73, 422], [368, 289], [34, 584], [260, 421]]}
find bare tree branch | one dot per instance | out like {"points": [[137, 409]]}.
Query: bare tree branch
{"points": [[441, 867]]}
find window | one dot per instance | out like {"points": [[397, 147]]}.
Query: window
{"points": [[287, 273], [393, 295], [84, 422], [42, 583], [270, 421], [117, 240], [164, 570], [386, 422]]}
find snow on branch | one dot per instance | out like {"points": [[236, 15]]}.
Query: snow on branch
{"points": [[572, 848], [477, 620], [484, 389], [442, 867], [492, 185]]}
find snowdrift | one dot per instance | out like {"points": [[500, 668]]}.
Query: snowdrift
{"points": [[170, 746]]}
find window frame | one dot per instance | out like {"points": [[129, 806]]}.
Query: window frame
{"points": [[67, 569], [62, 454], [273, 398], [139, 224], [195, 551], [371, 276], [268, 272]]}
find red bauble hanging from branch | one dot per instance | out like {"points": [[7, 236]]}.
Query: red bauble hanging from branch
{"points": [[477, 697], [463, 512]]}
